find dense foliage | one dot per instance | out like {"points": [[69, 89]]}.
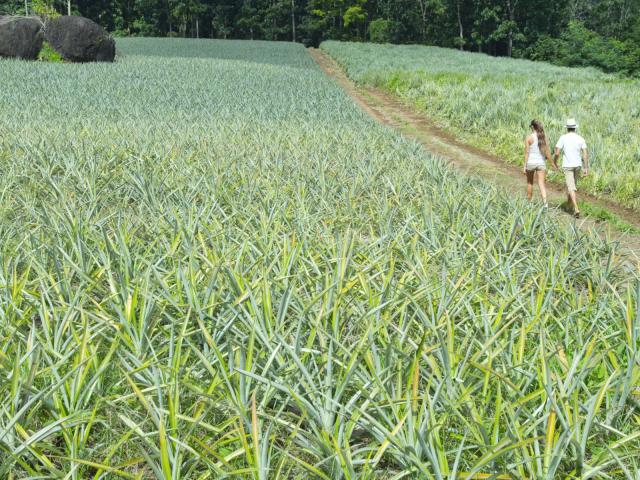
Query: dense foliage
{"points": [[490, 101], [213, 265], [603, 33]]}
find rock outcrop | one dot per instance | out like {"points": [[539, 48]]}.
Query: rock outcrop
{"points": [[21, 37], [78, 39]]}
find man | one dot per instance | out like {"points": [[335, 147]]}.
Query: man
{"points": [[574, 157]]}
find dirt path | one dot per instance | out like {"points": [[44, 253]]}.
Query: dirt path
{"points": [[389, 110]]}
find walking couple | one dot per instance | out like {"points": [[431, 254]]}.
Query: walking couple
{"points": [[574, 156]]}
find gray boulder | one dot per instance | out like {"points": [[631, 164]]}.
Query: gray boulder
{"points": [[78, 39], [20, 37]]}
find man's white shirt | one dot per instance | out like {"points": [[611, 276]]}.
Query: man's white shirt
{"points": [[571, 144]]}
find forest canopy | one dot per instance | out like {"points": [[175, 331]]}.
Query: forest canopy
{"points": [[600, 33]]}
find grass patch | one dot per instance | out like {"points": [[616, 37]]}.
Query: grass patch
{"points": [[48, 54], [612, 219]]}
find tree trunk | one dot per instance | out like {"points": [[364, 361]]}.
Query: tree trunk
{"points": [[69, 7], [26, 8], [460, 30], [423, 18], [293, 20], [511, 9]]}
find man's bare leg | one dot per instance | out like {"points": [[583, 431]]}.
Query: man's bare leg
{"points": [[574, 202]]}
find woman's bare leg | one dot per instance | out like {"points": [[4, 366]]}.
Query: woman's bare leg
{"points": [[530, 174], [541, 185]]}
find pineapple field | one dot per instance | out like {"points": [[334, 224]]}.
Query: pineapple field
{"points": [[489, 102], [214, 265]]}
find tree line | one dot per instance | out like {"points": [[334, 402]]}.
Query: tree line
{"points": [[601, 33]]}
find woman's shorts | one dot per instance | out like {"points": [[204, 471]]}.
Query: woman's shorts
{"points": [[536, 168], [571, 177]]}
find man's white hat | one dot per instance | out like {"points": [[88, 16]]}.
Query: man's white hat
{"points": [[571, 123]]}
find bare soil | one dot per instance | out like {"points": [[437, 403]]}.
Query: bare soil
{"points": [[390, 110]]}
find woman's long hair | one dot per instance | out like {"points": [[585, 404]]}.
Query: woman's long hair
{"points": [[542, 138]]}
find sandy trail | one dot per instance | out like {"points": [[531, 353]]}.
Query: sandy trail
{"points": [[389, 110]]}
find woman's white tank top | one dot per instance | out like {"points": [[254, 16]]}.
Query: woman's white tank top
{"points": [[535, 155]]}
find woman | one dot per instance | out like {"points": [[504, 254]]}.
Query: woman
{"points": [[536, 149]]}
